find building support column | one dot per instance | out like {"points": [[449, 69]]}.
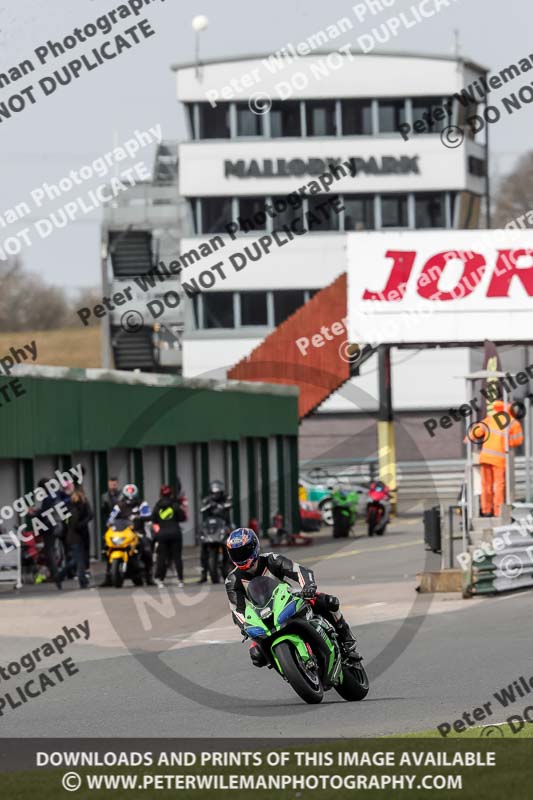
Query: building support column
{"points": [[293, 483], [386, 442], [252, 478], [236, 483]]}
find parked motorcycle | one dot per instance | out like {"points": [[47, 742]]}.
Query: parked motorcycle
{"points": [[300, 645], [344, 504], [377, 508], [213, 534], [122, 543]]}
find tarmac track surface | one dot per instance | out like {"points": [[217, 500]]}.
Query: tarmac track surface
{"points": [[427, 663]]}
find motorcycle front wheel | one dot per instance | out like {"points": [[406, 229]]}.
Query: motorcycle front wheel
{"points": [[117, 575], [372, 521], [212, 565], [307, 685]]}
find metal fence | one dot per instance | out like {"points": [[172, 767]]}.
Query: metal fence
{"points": [[426, 480]]}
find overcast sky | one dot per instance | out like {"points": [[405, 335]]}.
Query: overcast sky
{"points": [[81, 121]]}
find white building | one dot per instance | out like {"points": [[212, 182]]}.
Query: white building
{"points": [[350, 108]]}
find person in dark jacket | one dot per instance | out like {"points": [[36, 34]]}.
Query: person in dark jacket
{"points": [[166, 517], [49, 533], [109, 499], [78, 533]]}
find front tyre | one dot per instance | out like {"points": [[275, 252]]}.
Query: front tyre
{"points": [[354, 684], [307, 685], [212, 565], [372, 519], [117, 576]]}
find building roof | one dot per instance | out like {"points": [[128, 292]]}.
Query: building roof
{"points": [[149, 379], [382, 53]]}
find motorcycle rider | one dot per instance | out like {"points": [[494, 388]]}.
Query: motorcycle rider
{"points": [[216, 504], [138, 513], [244, 551]]}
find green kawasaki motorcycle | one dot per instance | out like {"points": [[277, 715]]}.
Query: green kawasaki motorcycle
{"points": [[300, 645]]}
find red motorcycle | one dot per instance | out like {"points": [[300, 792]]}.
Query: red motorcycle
{"points": [[377, 508]]}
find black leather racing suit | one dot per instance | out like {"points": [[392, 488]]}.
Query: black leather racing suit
{"points": [[281, 567]]}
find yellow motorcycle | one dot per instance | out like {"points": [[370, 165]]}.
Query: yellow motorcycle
{"points": [[121, 544]]}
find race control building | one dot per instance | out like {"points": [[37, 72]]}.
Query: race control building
{"points": [[261, 127]]}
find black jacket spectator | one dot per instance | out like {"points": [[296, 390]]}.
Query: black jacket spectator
{"points": [[168, 513]]}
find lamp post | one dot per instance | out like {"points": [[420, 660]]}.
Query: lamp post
{"points": [[199, 24]]}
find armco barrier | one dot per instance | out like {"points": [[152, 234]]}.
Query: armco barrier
{"points": [[508, 569]]}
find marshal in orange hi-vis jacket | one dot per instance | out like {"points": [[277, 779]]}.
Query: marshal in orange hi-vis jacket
{"points": [[493, 430]]}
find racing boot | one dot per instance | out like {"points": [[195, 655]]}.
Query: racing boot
{"points": [[347, 640], [258, 659]]}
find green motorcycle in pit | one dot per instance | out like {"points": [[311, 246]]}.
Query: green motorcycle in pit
{"points": [[300, 645]]}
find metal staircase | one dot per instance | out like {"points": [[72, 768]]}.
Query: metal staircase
{"points": [[130, 252]]}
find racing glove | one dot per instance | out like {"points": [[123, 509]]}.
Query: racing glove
{"points": [[309, 591]]}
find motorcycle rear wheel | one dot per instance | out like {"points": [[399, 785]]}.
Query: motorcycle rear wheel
{"points": [[355, 685], [310, 691]]}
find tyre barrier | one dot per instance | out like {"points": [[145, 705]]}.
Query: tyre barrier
{"points": [[508, 567]]}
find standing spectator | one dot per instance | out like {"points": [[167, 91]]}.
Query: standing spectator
{"points": [[166, 517], [109, 499], [52, 532], [78, 531]]}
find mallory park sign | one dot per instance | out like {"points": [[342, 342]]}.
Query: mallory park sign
{"points": [[295, 167]]}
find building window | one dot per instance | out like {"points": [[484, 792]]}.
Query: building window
{"points": [[286, 302], [254, 308], [391, 115], [218, 310], [358, 212], [248, 123], [325, 218], [429, 210], [214, 122], [286, 214], [252, 214], [320, 117], [285, 119], [428, 106], [356, 117], [216, 214], [394, 211]]}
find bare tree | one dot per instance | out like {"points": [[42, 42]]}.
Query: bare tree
{"points": [[87, 297], [28, 303], [513, 201]]}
